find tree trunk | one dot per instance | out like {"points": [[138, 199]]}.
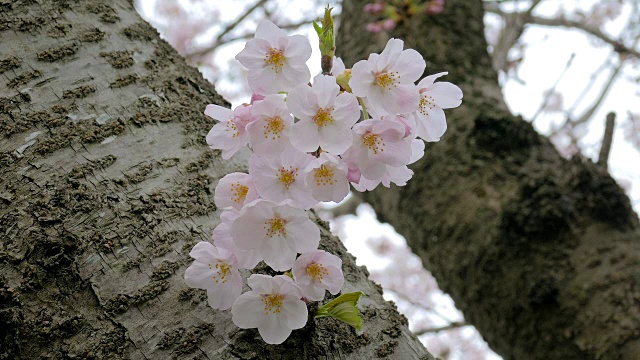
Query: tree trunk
{"points": [[107, 183], [541, 253]]}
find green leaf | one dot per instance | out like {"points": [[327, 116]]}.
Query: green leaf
{"points": [[344, 309], [317, 28]]}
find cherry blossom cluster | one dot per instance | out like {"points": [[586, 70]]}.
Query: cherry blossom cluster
{"points": [[311, 142], [389, 13]]}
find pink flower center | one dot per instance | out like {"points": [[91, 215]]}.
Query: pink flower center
{"points": [[324, 175], [317, 271], [323, 117], [239, 192], [275, 226], [373, 142], [287, 177], [222, 271], [387, 80], [275, 58], [272, 303], [274, 126], [426, 104]]}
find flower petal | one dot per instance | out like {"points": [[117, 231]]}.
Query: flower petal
{"points": [[304, 136], [218, 112], [335, 138], [305, 234], [410, 65], [326, 90], [446, 95], [427, 81], [298, 102], [433, 126], [361, 78], [293, 312], [298, 49], [248, 310], [269, 31], [273, 331], [222, 297]]}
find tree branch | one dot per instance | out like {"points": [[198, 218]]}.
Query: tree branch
{"points": [[546, 99], [618, 46], [607, 140], [227, 29], [453, 325]]}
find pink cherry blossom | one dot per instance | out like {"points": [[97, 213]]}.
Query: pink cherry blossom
{"points": [[317, 271], [214, 270], [229, 135], [328, 179], [325, 117], [378, 143], [387, 80], [276, 62], [269, 133], [273, 306], [247, 259], [234, 190], [430, 119], [276, 231], [398, 175], [282, 177]]}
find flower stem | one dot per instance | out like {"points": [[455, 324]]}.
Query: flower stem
{"points": [[364, 109]]}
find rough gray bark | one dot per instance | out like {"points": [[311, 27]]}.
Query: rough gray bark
{"points": [[107, 183], [541, 253]]}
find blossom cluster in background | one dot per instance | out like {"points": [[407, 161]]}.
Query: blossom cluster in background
{"points": [[309, 142], [388, 13]]}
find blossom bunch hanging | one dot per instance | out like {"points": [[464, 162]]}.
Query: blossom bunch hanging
{"points": [[356, 127]]}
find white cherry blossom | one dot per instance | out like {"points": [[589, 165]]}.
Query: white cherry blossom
{"points": [[328, 179], [276, 231], [269, 133], [273, 305], [387, 80], [325, 116], [378, 143], [247, 259], [317, 271], [282, 177], [214, 270], [435, 96], [234, 190], [276, 61], [229, 134]]}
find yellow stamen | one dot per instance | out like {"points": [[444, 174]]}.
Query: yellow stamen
{"points": [[275, 58], [239, 192], [426, 104], [275, 226], [317, 271], [223, 270], [373, 142], [231, 127], [287, 177], [323, 117], [272, 303], [324, 175], [387, 80], [275, 126]]}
